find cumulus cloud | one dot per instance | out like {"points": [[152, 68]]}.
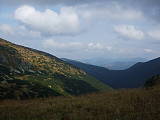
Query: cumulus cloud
{"points": [[98, 46], [50, 43], [69, 16], [6, 29], [20, 31], [129, 31], [49, 22], [155, 34], [149, 7], [61, 45]]}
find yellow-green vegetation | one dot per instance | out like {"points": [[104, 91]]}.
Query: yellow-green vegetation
{"points": [[36, 68], [135, 104], [40, 60]]}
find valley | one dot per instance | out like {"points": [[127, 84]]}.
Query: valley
{"points": [[79, 59], [133, 77], [35, 85]]}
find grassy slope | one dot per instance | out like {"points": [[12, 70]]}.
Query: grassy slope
{"points": [[135, 104], [47, 70]]}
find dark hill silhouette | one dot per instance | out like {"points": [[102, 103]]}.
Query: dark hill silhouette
{"points": [[132, 77], [153, 82]]}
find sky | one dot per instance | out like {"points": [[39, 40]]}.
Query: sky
{"points": [[84, 29]]}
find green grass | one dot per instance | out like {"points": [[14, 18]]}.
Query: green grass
{"points": [[68, 86], [135, 104], [96, 83]]}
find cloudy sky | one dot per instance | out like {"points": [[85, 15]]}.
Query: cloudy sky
{"points": [[83, 29]]}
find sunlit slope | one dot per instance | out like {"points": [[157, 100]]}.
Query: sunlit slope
{"points": [[36, 67]]}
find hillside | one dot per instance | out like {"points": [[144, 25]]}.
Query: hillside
{"points": [[26, 72], [132, 77]]}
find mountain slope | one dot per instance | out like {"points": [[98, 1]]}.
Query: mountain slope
{"points": [[132, 77], [36, 68]]}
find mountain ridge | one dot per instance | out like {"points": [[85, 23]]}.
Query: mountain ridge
{"points": [[133, 77]]}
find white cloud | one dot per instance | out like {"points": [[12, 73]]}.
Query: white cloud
{"points": [[61, 45], [98, 46], [23, 31], [18, 31], [6, 29], [110, 11], [95, 46], [129, 31], [148, 50], [49, 21], [50, 43], [155, 34]]}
